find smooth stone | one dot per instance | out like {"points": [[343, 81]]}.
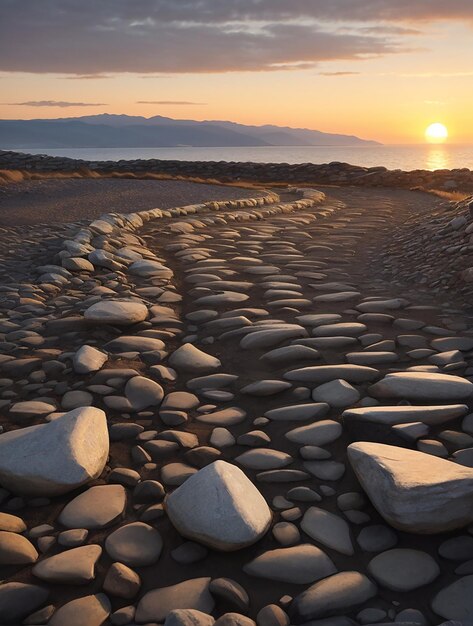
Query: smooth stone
{"points": [[134, 343], [298, 565], [230, 592], [225, 417], [16, 549], [143, 393], [342, 329], [188, 617], [289, 354], [455, 601], [72, 567], [85, 611], [264, 459], [219, 507], [325, 470], [96, 508], [268, 338], [76, 399], [391, 415], [18, 600], [413, 491], [188, 358], [422, 385], [265, 387], [156, 604], [337, 393], [317, 434], [336, 594], [403, 569], [298, 412], [122, 313], [121, 581], [328, 529], [376, 538], [88, 359], [11, 523], [55, 458], [30, 409], [136, 545], [320, 374]]}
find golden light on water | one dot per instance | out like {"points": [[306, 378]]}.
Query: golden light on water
{"points": [[436, 133]]}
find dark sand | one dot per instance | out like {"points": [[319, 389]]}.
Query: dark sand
{"points": [[70, 200]]}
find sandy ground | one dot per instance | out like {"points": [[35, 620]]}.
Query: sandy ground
{"points": [[54, 201]]}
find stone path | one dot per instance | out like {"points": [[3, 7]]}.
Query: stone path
{"points": [[289, 435]]}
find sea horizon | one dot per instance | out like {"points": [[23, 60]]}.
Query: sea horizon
{"points": [[402, 156]]}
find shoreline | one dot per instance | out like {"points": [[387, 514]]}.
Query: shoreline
{"points": [[335, 173]]}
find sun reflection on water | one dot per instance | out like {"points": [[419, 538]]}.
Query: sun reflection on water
{"points": [[437, 158]]}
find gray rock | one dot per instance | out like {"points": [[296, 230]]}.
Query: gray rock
{"points": [[403, 569], [188, 358], [88, 610], [143, 392], [220, 508], [121, 313], [17, 600], [455, 601], [422, 385], [96, 508], [136, 545], [329, 529], [88, 359], [72, 567], [54, 458], [156, 604], [298, 565], [413, 491]]}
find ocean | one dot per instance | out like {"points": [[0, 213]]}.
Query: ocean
{"points": [[408, 157]]}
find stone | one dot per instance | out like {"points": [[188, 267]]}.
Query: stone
{"points": [[136, 545], [188, 617], [188, 358], [121, 581], [263, 459], [11, 523], [18, 600], [422, 386], [336, 594], [403, 569], [317, 434], [117, 312], [16, 549], [96, 508], [219, 507], [337, 393], [30, 409], [298, 565], [230, 592], [72, 567], [376, 538], [76, 399], [329, 529], [85, 611], [143, 393], [156, 604], [414, 491], [391, 415], [88, 359], [320, 374], [55, 458], [455, 601]]}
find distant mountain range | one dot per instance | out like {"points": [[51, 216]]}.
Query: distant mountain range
{"points": [[125, 131]]}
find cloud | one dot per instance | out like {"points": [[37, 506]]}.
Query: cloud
{"points": [[56, 103], [339, 73], [173, 102], [86, 37]]}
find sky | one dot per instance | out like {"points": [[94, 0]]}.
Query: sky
{"points": [[379, 69]]}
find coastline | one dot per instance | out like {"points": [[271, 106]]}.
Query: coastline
{"points": [[335, 173]]}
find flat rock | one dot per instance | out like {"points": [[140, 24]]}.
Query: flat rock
{"points": [[72, 567], [156, 604], [403, 569], [299, 565], [337, 393], [319, 374], [85, 611], [329, 529], [413, 491], [455, 601], [117, 312], [334, 595], [55, 458], [219, 507], [88, 359], [188, 358], [391, 415], [317, 434], [96, 508], [16, 549], [143, 393], [136, 545], [422, 386], [264, 459], [18, 600], [298, 412]]}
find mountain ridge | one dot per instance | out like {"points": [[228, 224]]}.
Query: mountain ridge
{"points": [[125, 131]]}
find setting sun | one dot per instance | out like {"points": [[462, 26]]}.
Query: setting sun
{"points": [[436, 133]]}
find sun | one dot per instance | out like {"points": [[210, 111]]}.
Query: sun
{"points": [[436, 133]]}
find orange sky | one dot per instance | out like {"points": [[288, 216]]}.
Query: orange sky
{"points": [[390, 96]]}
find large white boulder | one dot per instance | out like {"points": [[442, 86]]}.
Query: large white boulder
{"points": [[54, 458], [219, 507], [413, 491]]}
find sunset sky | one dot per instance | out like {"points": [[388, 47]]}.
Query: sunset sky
{"points": [[379, 69]]}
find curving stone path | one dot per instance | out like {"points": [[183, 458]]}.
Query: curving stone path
{"points": [[223, 412]]}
